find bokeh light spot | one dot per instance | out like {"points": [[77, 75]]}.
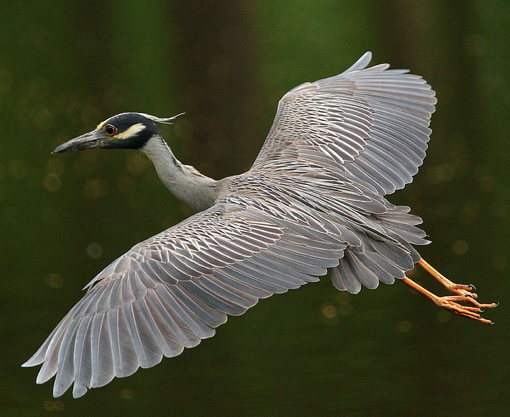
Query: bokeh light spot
{"points": [[52, 182], [460, 247], [500, 262], [94, 250], [443, 316], [127, 394], [94, 189], [329, 311], [54, 280], [404, 326], [53, 405]]}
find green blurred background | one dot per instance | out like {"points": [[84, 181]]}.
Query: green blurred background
{"points": [[66, 66]]}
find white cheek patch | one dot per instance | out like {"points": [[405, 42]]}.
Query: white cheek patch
{"points": [[131, 131]]}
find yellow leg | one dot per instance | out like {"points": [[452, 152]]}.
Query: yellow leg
{"points": [[463, 294], [449, 285]]}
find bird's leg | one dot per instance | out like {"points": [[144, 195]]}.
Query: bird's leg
{"points": [[463, 293], [458, 289]]}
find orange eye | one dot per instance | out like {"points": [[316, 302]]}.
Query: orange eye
{"points": [[110, 130]]}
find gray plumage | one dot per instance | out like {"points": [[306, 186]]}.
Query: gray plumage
{"points": [[313, 201]]}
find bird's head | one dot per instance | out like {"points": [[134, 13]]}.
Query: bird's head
{"points": [[124, 131]]}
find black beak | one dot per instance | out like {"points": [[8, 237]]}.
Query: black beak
{"points": [[87, 141]]}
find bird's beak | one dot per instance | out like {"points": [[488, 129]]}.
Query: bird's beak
{"points": [[93, 139]]}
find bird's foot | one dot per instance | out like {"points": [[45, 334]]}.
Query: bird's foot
{"points": [[463, 293], [452, 303]]}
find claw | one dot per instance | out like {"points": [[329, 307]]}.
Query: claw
{"points": [[452, 302], [463, 293]]}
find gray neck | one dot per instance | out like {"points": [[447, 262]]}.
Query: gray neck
{"points": [[185, 182]]}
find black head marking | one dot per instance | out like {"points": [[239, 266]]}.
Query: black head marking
{"points": [[127, 131]]}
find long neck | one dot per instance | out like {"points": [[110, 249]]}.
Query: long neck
{"points": [[186, 183]]}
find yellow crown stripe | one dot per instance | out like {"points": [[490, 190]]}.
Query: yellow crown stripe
{"points": [[131, 131]]}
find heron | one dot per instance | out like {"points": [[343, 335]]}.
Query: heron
{"points": [[313, 201]]}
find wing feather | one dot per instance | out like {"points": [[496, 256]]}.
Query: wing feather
{"points": [[172, 290], [371, 122], [82, 356], [101, 355]]}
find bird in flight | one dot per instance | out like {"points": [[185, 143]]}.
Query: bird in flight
{"points": [[313, 201]]}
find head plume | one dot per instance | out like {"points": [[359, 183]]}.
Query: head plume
{"points": [[165, 120]]}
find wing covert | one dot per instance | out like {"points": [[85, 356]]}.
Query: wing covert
{"points": [[172, 290], [371, 123]]}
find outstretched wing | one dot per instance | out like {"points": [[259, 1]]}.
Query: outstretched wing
{"points": [[371, 123], [172, 290]]}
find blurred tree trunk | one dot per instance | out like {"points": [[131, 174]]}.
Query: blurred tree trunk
{"points": [[400, 26], [409, 29], [91, 68], [92, 51], [445, 186], [215, 66]]}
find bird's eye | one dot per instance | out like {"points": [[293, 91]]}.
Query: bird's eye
{"points": [[110, 130]]}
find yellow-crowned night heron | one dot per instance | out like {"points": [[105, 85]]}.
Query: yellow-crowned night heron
{"points": [[313, 201]]}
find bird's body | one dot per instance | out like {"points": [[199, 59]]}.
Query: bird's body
{"points": [[313, 201]]}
